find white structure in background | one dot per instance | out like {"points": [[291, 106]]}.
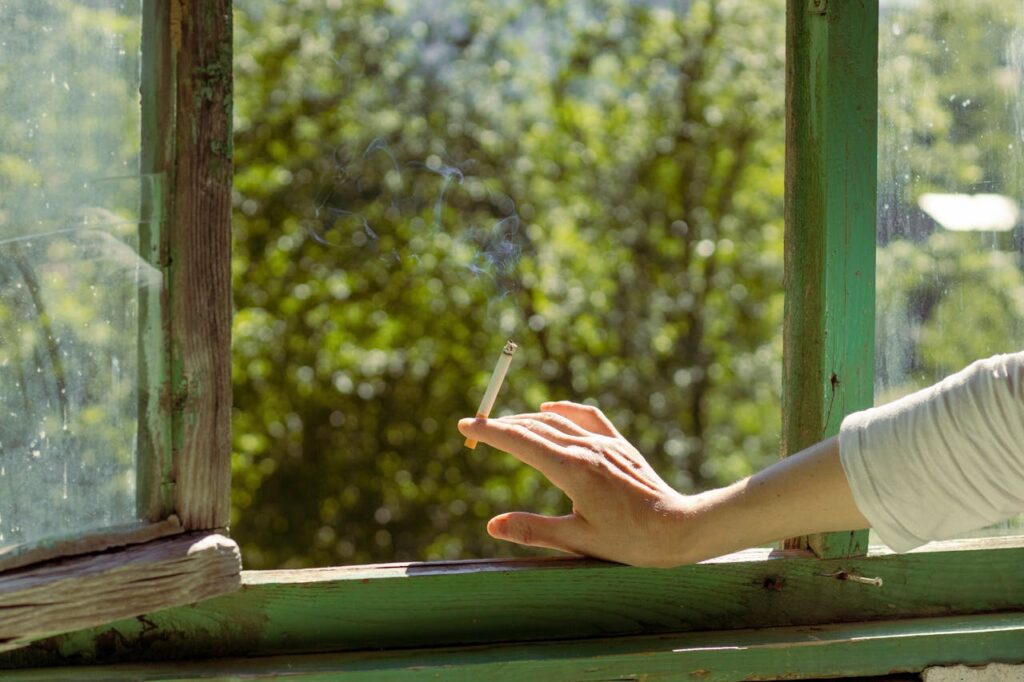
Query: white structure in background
{"points": [[971, 212]]}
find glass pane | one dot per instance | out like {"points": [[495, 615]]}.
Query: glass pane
{"points": [[951, 170], [416, 182], [70, 274]]}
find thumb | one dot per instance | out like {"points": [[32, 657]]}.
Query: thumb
{"points": [[563, 533]]}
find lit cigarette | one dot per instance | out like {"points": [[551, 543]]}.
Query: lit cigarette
{"points": [[497, 378]]}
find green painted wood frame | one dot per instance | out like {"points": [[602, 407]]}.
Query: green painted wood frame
{"points": [[860, 649], [392, 609], [831, 166], [155, 476]]}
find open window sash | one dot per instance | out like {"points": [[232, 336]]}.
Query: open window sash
{"points": [[168, 549]]}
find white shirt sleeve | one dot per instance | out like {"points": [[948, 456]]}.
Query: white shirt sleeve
{"points": [[942, 461]]}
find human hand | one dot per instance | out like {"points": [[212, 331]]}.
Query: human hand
{"points": [[622, 510]]}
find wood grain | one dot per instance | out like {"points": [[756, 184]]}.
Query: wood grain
{"points": [[482, 602], [16, 556], [86, 591], [843, 650], [199, 244], [155, 485]]}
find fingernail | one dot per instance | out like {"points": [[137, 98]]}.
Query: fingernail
{"points": [[497, 528]]}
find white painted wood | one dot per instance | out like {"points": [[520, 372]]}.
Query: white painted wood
{"points": [[993, 672]]}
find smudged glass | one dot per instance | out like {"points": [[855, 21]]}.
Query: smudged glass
{"points": [[950, 161], [70, 273]]}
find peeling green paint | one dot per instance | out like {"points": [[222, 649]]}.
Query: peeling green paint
{"points": [[478, 602], [831, 133], [155, 486], [849, 650]]}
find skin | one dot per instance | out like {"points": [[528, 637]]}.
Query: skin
{"points": [[623, 511]]}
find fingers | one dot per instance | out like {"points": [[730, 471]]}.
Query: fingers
{"points": [[585, 416], [565, 533], [529, 446], [550, 433], [551, 423]]}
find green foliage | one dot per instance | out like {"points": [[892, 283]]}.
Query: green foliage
{"points": [[600, 181], [951, 122]]}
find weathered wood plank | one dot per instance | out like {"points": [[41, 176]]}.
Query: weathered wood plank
{"points": [[409, 605], [155, 496], [831, 133], [86, 591], [199, 244], [854, 649], [17, 556]]}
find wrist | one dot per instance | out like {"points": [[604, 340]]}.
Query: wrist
{"points": [[683, 540], [706, 527]]}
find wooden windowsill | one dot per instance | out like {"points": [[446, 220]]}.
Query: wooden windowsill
{"points": [[69, 594], [482, 602], [17, 556], [839, 650]]}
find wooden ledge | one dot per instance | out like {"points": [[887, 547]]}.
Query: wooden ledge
{"points": [[18, 556], [87, 591], [839, 650], [478, 602]]}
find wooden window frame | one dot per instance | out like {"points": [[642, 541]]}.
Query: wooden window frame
{"points": [[830, 216], [793, 612], [176, 553]]}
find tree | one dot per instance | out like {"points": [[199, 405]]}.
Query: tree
{"points": [[602, 181], [949, 81]]}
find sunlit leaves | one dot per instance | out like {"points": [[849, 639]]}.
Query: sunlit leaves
{"points": [[601, 180]]}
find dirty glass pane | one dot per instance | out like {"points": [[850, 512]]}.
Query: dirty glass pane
{"points": [[70, 276], [950, 178]]}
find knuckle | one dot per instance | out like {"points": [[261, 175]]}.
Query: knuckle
{"points": [[559, 420]]}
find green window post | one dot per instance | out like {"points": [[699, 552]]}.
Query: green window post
{"points": [[831, 139]]}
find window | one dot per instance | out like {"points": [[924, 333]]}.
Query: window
{"points": [[113, 378], [72, 277], [950, 237], [600, 181], [831, 125]]}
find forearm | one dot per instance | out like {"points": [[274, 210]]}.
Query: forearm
{"points": [[935, 463], [802, 494]]}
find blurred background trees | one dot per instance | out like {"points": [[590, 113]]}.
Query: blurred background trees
{"points": [[951, 123], [601, 181], [415, 182]]}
